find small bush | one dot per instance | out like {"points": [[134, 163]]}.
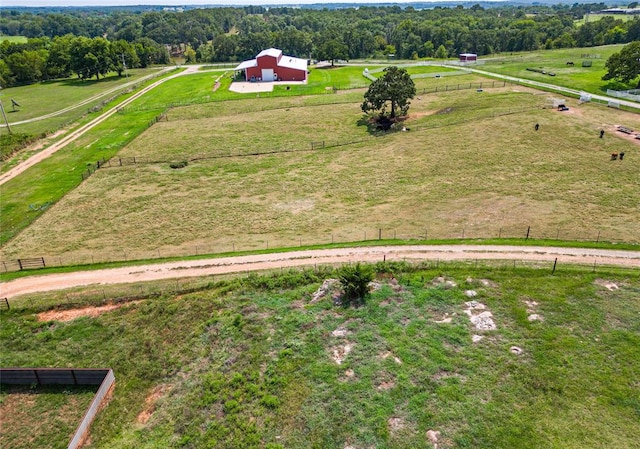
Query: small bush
{"points": [[270, 401], [176, 165], [355, 283]]}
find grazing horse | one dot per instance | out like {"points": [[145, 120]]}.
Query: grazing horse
{"points": [[570, 63], [614, 156]]}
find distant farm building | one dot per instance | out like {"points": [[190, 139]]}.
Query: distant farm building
{"points": [[272, 65], [468, 57]]}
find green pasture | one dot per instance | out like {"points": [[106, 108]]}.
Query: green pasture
{"points": [[40, 99], [596, 17], [14, 39], [471, 166], [251, 362], [588, 79], [25, 199]]}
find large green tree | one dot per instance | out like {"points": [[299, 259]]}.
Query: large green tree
{"points": [[624, 66], [395, 87]]}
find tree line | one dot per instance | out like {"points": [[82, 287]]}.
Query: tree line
{"points": [[43, 58], [233, 34]]}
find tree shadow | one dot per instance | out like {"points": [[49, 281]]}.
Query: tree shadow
{"points": [[377, 126], [617, 85]]}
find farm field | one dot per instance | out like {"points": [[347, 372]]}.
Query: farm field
{"points": [[472, 165], [588, 79], [15, 39], [256, 363], [44, 98]]}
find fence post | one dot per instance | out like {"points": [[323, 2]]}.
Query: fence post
{"points": [[528, 229], [379, 233], [598, 239], [20, 264], [43, 264], [554, 266]]}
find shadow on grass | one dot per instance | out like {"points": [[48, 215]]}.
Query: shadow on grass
{"points": [[617, 85]]}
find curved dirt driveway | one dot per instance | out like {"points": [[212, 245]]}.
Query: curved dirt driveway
{"points": [[241, 264]]}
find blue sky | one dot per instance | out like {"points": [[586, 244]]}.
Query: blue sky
{"points": [[6, 3]]}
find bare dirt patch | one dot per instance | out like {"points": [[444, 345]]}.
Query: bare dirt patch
{"points": [[609, 285], [395, 424], [69, 315], [339, 353], [150, 402]]}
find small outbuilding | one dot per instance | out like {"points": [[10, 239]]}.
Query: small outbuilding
{"points": [[468, 57], [272, 65]]}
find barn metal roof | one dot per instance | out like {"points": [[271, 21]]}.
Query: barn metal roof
{"points": [[246, 64]]}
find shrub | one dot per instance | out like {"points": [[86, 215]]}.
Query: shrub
{"points": [[180, 164], [355, 283]]}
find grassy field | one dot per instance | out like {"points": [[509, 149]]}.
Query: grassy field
{"points": [[595, 17], [43, 417], [15, 39], [464, 169], [41, 99], [252, 362], [588, 79]]}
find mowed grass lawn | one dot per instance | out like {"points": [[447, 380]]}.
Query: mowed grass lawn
{"points": [[462, 169], [253, 363], [588, 79]]}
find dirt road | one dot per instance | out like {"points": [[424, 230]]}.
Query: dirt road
{"points": [[242, 264], [36, 158]]}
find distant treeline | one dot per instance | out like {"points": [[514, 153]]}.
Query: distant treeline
{"points": [[230, 34]]}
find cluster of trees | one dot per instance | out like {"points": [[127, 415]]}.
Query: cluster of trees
{"points": [[44, 58], [234, 34]]}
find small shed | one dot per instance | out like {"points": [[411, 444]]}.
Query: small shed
{"points": [[468, 57]]}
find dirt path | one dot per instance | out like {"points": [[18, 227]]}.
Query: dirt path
{"points": [[36, 158], [240, 264]]}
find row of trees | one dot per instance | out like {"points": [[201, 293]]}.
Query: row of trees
{"points": [[43, 58], [234, 34]]}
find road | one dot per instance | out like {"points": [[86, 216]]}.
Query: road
{"points": [[89, 100], [566, 90], [243, 264], [36, 158]]}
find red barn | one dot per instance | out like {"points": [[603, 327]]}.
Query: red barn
{"points": [[468, 57], [272, 65]]}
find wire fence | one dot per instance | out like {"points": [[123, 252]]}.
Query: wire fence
{"points": [[112, 296], [313, 145], [457, 233]]}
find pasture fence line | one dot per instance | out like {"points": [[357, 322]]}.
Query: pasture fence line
{"points": [[116, 294], [313, 145], [633, 95], [324, 91], [454, 233]]}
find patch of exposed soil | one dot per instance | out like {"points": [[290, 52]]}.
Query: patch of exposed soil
{"points": [[395, 424], [482, 321], [339, 353], [72, 314], [609, 285], [150, 403], [386, 385]]}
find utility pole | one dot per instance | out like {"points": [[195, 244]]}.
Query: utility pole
{"points": [[124, 64], [5, 116]]}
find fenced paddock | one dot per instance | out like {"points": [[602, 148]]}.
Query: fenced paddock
{"points": [[103, 378]]}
